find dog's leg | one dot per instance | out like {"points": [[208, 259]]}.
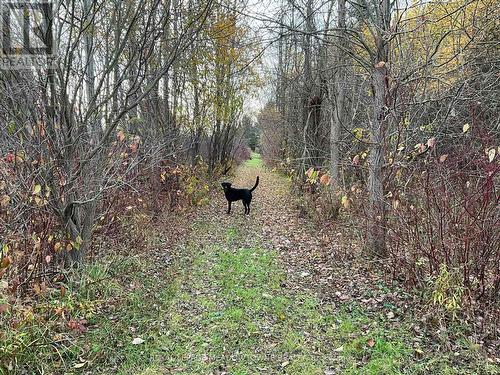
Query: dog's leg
{"points": [[248, 209], [228, 207]]}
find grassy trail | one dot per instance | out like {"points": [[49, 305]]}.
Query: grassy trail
{"points": [[230, 298], [226, 307]]}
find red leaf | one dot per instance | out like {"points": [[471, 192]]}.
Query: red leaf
{"points": [[78, 326], [4, 308]]}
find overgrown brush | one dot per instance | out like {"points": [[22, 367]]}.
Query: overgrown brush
{"points": [[445, 216]]}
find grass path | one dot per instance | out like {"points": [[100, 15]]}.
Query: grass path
{"points": [[239, 295], [226, 307]]}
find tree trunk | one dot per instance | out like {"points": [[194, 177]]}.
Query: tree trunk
{"points": [[381, 104], [338, 89]]}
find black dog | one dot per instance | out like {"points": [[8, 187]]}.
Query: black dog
{"points": [[233, 195]]}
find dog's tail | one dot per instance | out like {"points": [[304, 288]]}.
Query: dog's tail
{"points": [[256, 184]]}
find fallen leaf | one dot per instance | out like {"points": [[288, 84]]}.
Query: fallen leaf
{"points": [[390, 315], [137, 341], [325, 180], [4, 308], [466, 128], [6, 261], [80, 365], [371, 343], [78, 325]]}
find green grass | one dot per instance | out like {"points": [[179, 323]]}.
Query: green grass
{"points": [[230, 313], [220, 306], [255, 161]]}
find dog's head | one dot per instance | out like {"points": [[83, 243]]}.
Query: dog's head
{"points": [[226, 185]]}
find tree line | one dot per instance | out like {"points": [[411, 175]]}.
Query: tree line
{"points": [[389, 111], [135, 89]]}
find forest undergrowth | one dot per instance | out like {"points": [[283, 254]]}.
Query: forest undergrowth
{"points": [[267, 293]]}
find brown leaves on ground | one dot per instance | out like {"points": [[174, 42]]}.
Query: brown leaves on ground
{"points": [[328, 258], [78, 326]]}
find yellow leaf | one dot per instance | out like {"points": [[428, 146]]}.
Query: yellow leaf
{"points": [[345, 201], [466, 128], [358, 133], [57, 246], [395, 204], [38, 201], [37, 189], [77, 243], [491, 154]]}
